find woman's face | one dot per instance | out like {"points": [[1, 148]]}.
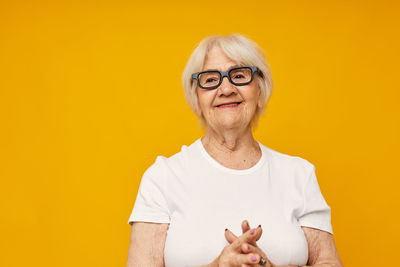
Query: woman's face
{"points": [[227, 117]]}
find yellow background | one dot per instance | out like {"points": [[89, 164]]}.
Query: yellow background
{"points": [[90, 94]]}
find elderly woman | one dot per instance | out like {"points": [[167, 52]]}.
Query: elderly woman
{"points": [[226, 199]]}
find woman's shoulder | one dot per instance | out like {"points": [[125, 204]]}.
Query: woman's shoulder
{"points": [[287, 161], [174, 162], [291, 171]]}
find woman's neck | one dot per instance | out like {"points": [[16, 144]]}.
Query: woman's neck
{"points": [[236, 149]]}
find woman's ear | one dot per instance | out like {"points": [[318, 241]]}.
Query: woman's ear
{"points": [[199, 112], [259, 103], [260, 100]]}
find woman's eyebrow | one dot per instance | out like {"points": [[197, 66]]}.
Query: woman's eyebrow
{"points": [[230, 67]]}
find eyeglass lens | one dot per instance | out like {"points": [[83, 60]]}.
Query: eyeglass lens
{"points": [[238, 77]]}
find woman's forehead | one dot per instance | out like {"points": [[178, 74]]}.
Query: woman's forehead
{"points": [[216, 59]]}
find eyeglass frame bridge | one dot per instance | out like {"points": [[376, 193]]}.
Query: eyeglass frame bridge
{"points": [[223, 74]]}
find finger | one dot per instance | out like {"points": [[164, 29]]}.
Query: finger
{"points": [[260, 233], [252, 235], [249, 259], [245, 226], [229, 236], [249, 237], [248, 248]]}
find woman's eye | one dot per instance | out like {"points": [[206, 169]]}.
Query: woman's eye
{"points": [[239, 76], [210, 80]]}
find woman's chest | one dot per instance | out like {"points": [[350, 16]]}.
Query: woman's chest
{"points": [[198, 221]]}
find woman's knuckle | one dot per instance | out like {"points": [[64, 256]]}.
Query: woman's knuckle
{"points": [[226, 248]]}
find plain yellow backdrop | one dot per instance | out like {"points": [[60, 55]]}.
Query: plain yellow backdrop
{"points": [[90, 94]]}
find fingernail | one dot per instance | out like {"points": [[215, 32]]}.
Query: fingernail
{"points": [[252, 231], [226, 229], [253, 258], [259, 225]]}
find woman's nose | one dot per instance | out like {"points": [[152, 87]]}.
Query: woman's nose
{"points": [[226, 87]]}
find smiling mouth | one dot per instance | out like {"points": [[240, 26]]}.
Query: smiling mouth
{"points": [[229, 105]]}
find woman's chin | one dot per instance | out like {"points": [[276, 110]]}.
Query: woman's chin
{"points": [[231, 123]]}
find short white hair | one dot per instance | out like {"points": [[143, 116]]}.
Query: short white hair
{"points": [[240, 49]]}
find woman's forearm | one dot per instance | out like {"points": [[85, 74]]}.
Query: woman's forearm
{"points": [[212, 264], [215, 264], [316, 265]]}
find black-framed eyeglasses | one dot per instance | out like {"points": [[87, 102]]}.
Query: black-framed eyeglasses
{"points": [[211, 79]]}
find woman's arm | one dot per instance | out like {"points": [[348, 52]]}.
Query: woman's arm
{"points": [[322, 250], [147, 244]]}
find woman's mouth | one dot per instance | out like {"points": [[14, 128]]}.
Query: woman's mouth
{"points": [[232, 105]]}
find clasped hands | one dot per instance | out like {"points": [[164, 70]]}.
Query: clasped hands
{"points": [[243, 250]]}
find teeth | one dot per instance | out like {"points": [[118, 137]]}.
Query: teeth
{"points": [[228, 105]]}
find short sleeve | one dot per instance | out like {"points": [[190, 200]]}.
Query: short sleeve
{"points": [[151, 204], [316, 212]]}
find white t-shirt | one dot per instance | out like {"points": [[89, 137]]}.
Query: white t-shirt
{"points": [[199, 198]]}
